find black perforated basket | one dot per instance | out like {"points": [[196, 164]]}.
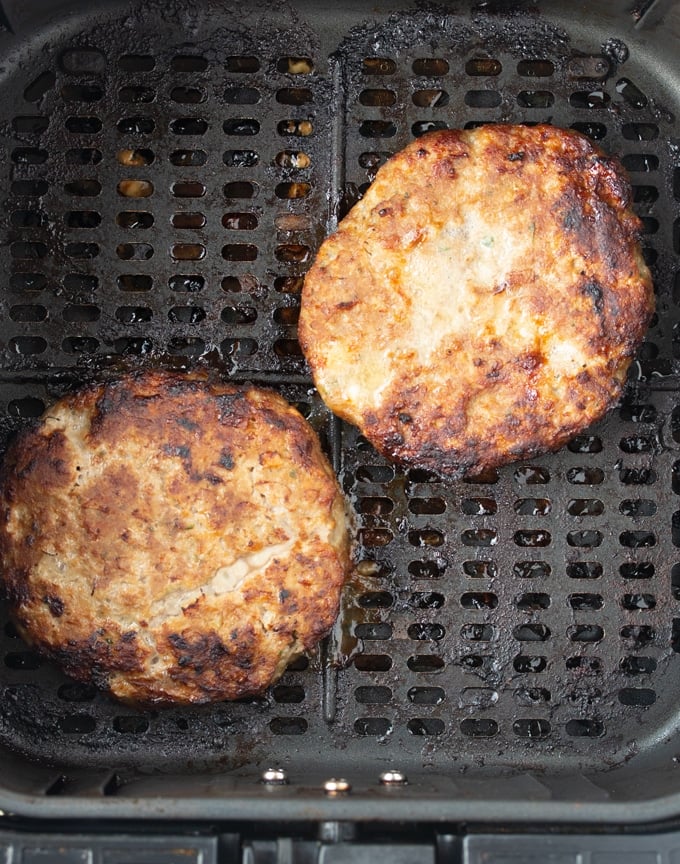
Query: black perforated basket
{"points": [[509, 644]]}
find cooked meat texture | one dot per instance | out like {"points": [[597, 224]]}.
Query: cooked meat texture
{"points": [[484, 299], [172, 540]]}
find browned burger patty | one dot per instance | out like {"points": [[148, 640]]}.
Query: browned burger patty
{"points": [[483, 301], [172, 540]]}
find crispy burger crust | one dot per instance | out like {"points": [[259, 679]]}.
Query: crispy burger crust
{"points": [[172, 540], [483, 301]]}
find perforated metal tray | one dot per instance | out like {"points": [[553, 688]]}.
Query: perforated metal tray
{"points": [[510, 644]]}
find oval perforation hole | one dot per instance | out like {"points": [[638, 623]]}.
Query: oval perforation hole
{"points": [[426, 695], [585, 633], [240, 158], [638, 601], [134, 188], [188, 189], [135, 157], [194, 126], [531, 632], [77, 724], [288, 694], [377, 129], [532, 601], [186, 314], [137, 95], [136, 62], [76, 313], [132, 282], [288, 725], [83, 188], [29, 219], [583, 727], [479, 728], [531, 569], [186, 346], [295, 65], [188, 251], [425, 726], [375, 600], [185, 95], [80, 282], [30, 124], [532, 538], [430, 67], [533, 728], [137, 125], [425, 570], [483, 67], [585, 507], [294, 96], [29, 156], [372, 695], [188, 158], [379, 66], [423, 632], [479, 600], [585, 539], [131, 724], [133, 219], [134, 251], [530, 475], [476, 632], [425, 537], [27, 406], [635, 665], [373, 662], [372, 726], [585, 601], [134, 314], [590, 99], [638, 636], [480, 537], [535, 99], [425, 663], [480, 569], [375, 631], [188, 220], [80, 345], [525, 664], [430, 98], [641, 697], [241, 126], [377, 97], [478, 506], [584, 570], [82, 219], [27, 345]]}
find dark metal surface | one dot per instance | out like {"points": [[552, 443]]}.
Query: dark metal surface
{"points": [[526, 621]]}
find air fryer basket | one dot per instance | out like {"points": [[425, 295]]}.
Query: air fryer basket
{"points": [[509, 643]]}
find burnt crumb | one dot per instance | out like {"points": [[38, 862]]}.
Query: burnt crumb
{"points": [[177, 450], [593, 290], [348, 304], [518, 156], [421, 152], [284, 594], [572, 220], [128, 636], [54, 604], [213, 479], [187, 424], [384, 211], [226, 460], [405, 418]]}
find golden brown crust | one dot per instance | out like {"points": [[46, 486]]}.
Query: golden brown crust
{"points": [[170, 539], [484, 299]]}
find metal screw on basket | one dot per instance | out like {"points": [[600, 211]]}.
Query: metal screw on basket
{"points": [[337, 786], [393, 777], [274, 777]]}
